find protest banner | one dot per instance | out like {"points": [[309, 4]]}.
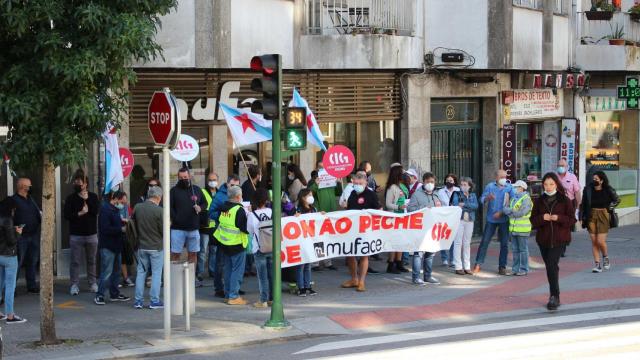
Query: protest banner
{"points": [[325, 180], [312, 237]]}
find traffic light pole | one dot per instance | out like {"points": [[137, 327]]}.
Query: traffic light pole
{"points": [[277, 320]]}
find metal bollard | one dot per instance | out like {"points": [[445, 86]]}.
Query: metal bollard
{"points": [[187, 297]]}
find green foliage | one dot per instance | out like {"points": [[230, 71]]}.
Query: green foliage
{"points": [[64, 68], [635, 9], [617, 33]]}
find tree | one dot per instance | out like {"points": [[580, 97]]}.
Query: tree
{"points": [[64, 71]]}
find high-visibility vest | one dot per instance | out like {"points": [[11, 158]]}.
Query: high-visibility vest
{"points": [[228, 233], [521, 224], [209, 199]]}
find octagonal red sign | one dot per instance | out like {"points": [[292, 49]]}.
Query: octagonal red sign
{"points": [[162, 117]]}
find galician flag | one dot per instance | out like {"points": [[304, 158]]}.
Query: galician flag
{"points": [[314, 135], [113, 175], [246, 127]]}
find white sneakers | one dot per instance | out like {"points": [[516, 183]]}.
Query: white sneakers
{"points": [[94, 288], [75, 290]]}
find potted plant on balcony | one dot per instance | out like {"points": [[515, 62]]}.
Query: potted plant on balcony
{"points": [[600, 10], [634, 13], [617, 36]]}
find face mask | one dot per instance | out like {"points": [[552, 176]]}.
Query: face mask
{"points": [[502, 182], [561, 170], [597, 182], [449, 185], [291, 177], [119, 206], [429, 187], [310, 200], [551, 193], [213, 184], [465, 188], [183, 183], [358, 188], [77, 188]]}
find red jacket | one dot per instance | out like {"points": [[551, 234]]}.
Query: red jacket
{"points": [[553, 233]]}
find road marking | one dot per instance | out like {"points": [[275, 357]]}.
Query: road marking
{"points": [[462, 330], [618, 340], [70, 305]]}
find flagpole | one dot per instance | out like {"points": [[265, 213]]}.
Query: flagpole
{"points": [[245, 163]]}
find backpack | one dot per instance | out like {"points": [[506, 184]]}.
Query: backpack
{"points": [[455, 193], [265, 235], [132, 239]]}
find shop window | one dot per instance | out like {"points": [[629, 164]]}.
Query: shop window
{"points": [[612, 146]]}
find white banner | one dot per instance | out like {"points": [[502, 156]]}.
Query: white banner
{"points": [[568, 143], [312, 237], [325, 180], [535, 104]]}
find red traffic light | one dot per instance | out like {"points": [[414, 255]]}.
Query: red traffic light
{"points": [[268, 64]]}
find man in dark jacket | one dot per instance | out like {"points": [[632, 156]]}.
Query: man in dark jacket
{"points": [[187, 202], [215, 256], [110, 241], [81, 210], [28, 216]]}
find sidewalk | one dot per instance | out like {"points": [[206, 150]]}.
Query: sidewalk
{"points": [[118, 330]]}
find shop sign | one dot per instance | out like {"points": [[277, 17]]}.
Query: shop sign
{"points": [[535, 104], [509, 151], [568, 143], [550, 145], [603, 103], [630, 92]]}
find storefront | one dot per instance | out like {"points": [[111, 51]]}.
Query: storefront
{"points": [[532, 134], [611, 145], [361, 110]]}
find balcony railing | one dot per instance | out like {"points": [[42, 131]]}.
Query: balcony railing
{"points": [[537, 4], [591, 32], [334, 17]]}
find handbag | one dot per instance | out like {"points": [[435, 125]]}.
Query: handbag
{"points": [[613, 219]]}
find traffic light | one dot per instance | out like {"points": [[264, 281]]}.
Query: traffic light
{"points": [[295, 128], [270, 85]]}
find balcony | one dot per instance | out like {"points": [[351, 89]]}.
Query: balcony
{"points": [[339, 17], [595, 52]]}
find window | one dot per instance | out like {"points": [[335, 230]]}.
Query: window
{"points": [[538, 5]]}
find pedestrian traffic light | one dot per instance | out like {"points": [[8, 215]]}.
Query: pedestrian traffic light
{"points": [[270, 85], [295, 128]]}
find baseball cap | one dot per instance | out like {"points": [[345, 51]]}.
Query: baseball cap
{"points": [[521, 184], [413, 173]]}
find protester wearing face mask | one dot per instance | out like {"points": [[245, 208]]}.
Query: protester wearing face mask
{"points": [[362, 197], [295, 182], [303, 272], [446, 194], [371, 180], [468, 201], [187, 202], [81, 210], [423, 261], [495, 195], [570, 184], [250, 185], [552, 217], [206, 225], [215, 255], [519, 212], [598, 204], [111, 242]]}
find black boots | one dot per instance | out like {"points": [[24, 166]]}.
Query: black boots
{"points": [[392, 269], [554, 303]]}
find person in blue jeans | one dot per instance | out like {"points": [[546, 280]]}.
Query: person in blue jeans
{"points": [[303, 272], [148, 221], [110, 242], [216, 257], [519, 212], [233, 236], [9, 260], [495, 196], [259, 218]]}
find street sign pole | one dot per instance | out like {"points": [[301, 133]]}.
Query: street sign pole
{"points": [[277, 320], [166, 241]]}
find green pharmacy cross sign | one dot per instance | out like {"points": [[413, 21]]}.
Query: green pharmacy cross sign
{"points": [[630, 92]]}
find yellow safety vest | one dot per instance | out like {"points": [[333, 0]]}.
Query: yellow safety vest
{"points": [[207, 196], [521, 224], [228, 233]]}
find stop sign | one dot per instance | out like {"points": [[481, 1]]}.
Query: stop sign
{"points": [[162, 117]]}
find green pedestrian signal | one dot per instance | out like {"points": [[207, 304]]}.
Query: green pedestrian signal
{"points": [[295, 139]]}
